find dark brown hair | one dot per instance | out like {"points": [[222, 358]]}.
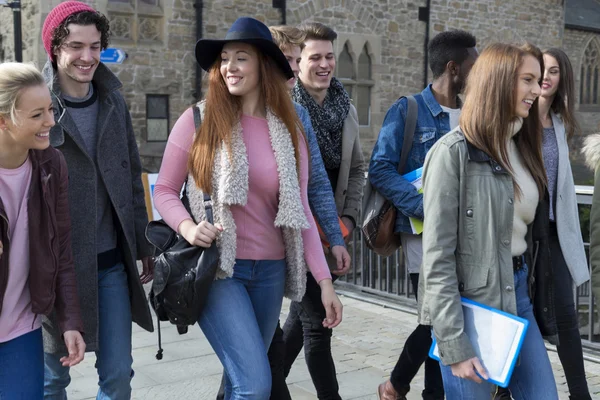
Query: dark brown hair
{"points": [[318, 31], [82, 18], [489, 110], [564, 98]]}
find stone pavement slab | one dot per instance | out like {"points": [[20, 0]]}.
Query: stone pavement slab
{"points": [[365, 348]]}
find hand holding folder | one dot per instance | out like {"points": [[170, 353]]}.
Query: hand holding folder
{"points": [[496, 337]]}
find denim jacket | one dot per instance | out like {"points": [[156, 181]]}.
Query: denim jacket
{"points": [[320, 194], [432, 124]]}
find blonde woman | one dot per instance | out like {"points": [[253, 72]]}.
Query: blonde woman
{"points": [[36, 262]]}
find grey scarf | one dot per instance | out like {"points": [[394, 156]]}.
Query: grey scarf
{"points": [[327, 121]]}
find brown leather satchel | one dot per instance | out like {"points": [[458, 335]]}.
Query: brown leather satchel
{"points": [[379, 214]]}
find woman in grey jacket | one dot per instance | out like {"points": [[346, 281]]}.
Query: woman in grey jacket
{"points": [[559, 124], [556, 107], [482, 186]]}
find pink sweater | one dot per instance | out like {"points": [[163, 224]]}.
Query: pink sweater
{"points": [[16, 317], [257, 236]]}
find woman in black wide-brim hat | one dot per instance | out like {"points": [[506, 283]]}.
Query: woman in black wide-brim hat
{"points": [[250, 155]]}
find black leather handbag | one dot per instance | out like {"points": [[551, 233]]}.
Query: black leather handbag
{"points": [[183, 273]]}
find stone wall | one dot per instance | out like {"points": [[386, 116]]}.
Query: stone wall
{"points": [[395, 39], [540, 22], [160, 41], [30, 31]]}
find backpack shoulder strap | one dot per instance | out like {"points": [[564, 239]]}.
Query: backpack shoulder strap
{"points": [[410, 125]]}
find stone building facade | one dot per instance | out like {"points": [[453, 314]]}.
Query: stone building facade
{"points": [[380, 48]]}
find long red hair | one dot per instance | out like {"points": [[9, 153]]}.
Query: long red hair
{"points": [[223, 110]]}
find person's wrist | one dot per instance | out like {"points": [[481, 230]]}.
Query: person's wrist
{"points": [[326, 284], [185, 227]]}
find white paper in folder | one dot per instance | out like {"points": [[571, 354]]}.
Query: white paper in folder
{"points": [[496, 337]]}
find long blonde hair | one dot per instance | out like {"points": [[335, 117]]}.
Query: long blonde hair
{"points": [[489, 110], [14, 77]]}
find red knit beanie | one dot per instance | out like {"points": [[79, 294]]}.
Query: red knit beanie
{"points": [[56, 17]]}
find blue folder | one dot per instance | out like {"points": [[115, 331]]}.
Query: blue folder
{"points": [[497, 337]]}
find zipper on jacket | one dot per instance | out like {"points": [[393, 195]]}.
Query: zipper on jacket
{"points": [[53, 234], [531, 277]]}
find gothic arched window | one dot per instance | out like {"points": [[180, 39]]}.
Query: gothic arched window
{"points": [[358, 85], [345, 69], [589, 90], [363, 89]]}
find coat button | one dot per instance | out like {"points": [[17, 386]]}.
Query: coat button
{"points": [[509, 289], [461, 287], [497, 168], [124, 164], [469, 213], [545, 309], [506, 242], [510, 201]]}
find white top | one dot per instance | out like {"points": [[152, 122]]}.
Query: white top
{"points": [[454, 114], [525, 203]]}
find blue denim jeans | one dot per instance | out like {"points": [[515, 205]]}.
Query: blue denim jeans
{"points": [[22, 367], [113, 358], [532, 378], [239, 321]]}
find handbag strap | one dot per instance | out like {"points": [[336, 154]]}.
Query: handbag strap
{"points": [[197, 117], [207, 200], [410, 124]]}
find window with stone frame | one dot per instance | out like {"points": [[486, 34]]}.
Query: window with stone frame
{"points": [[357, 78], [157, 117], [345, 70], [589, 90]]}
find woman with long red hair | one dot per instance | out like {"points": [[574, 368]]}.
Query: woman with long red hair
{"points": [[250, 155]]}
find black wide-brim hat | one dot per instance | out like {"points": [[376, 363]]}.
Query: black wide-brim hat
{"points": [[245, 30]]}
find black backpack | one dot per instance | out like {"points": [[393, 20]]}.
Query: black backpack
{"points": [[182, 273]]}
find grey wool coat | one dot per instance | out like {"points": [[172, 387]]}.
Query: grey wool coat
{"points": [[120, 168]]}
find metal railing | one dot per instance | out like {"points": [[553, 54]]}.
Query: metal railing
{"points": [[388, 276]]}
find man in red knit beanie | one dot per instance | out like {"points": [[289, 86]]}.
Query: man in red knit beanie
{"points": [[106, 200]]}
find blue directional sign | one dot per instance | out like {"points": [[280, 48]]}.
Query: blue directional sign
{"points": [[113, 56]]}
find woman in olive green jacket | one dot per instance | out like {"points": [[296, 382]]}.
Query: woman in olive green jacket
{"points": [[482, 185]]}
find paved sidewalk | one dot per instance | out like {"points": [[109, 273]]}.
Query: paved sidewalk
{"points": [[365, 347]]}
